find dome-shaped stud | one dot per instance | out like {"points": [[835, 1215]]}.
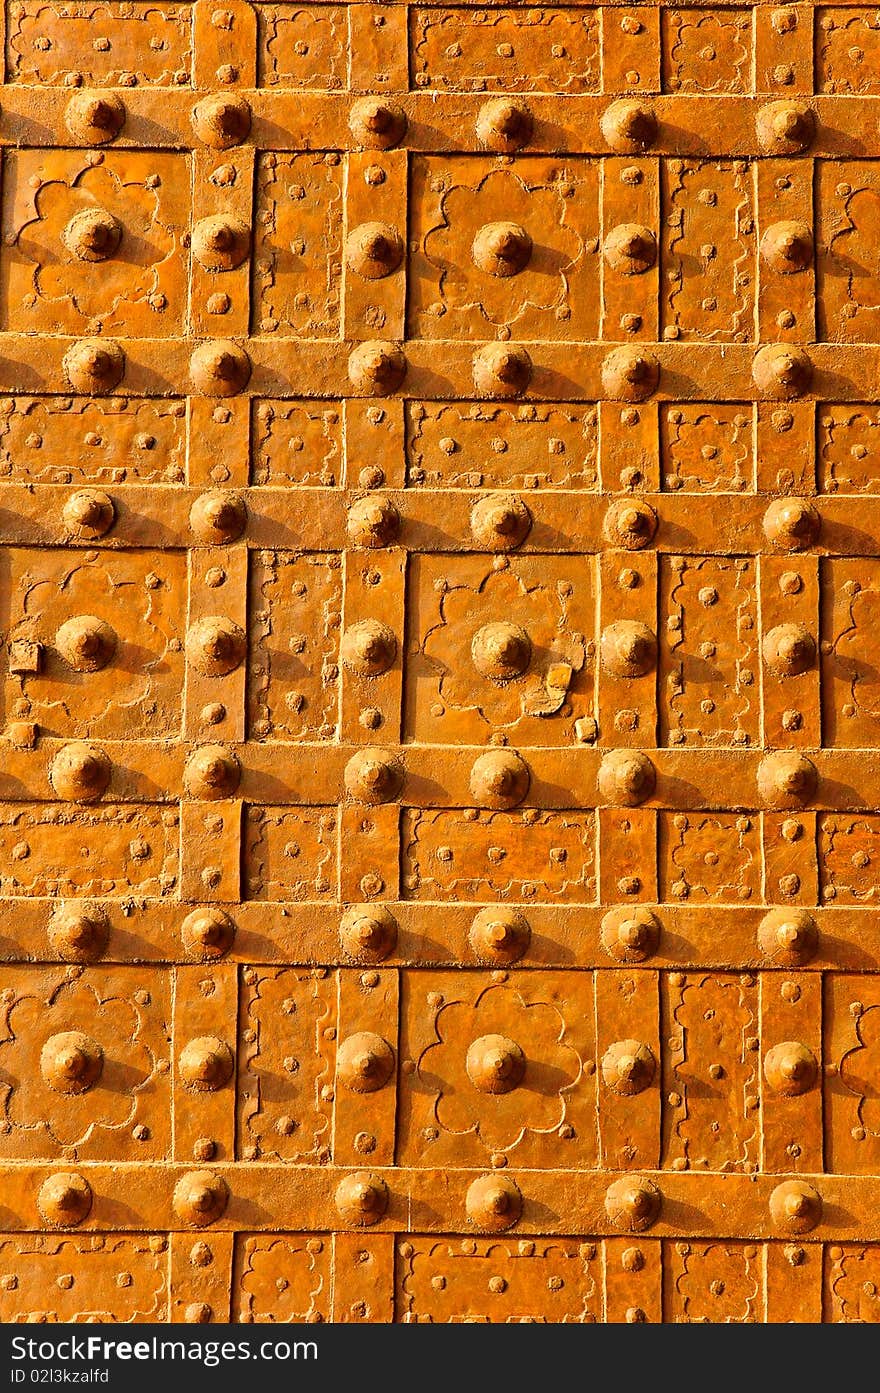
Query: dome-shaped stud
{"points": [[501, 651], [502, 249], [785, 127], [78, 935], [71, 1062], [86, 643], [373, 776], [630, 249], [368, 933], [94, 366], [628, 1067], [500, 522], [789, 650], [631, 934], [94, 118], [373, 522], [795, 1207], [493, 1203], [361, 1198], [198, 1313], [222, 120], [377, 124], [628, 648], [206, 1064], [376, 367], [368, 648], [787, 247], [791, 524], [499, 935], [629, 126], [788, 937], [626, 778], [495, 1064], [212, 772], [374, 250], [80, 772], [790, 1068], [65, 1199], [504, 125], [207, 934], [629, 374], [93, 234], [786, 779], [364, 1062], [88, 514], [501, 370], [630, 523], [219, 368], [221, 242], [499, 779], [218, 517], [200, 1198], [215, 645], [781, 371], [632, 1203]]}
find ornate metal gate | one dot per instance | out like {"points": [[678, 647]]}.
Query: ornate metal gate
{"points": [[472, 411]]}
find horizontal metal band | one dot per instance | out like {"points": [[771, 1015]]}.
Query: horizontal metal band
{"points": [[437, 776], [563, 523], [692, 125], [430, 934], [138, 1197], [441, 369]]}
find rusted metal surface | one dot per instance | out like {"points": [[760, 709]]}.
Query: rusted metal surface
{"points": [[440, 530]]}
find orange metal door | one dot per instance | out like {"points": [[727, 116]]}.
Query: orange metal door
{"points": [[440, 546]]}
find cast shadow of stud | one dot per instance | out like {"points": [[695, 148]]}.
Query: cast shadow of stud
{"points": [[676, 385], [550, 951], [681, 141], [147, 788], [676, 792], [248, 1214], [421, 791], [676, 537], [283, 535], [838, 1217], [422, 380], [428, 536], [680, 1216], [844, 539], [839, 795], [834, 141], [675, 948], [846, 952], [542, 537]]}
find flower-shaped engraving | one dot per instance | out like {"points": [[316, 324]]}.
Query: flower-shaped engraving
{"points": [[135, 289], [540, 609], [284, 1278], [543, 285], [57, 1118], [136, 694], [717, 1283], [537, 1102], [859, 1069], [708, 51], [553, 295]]}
